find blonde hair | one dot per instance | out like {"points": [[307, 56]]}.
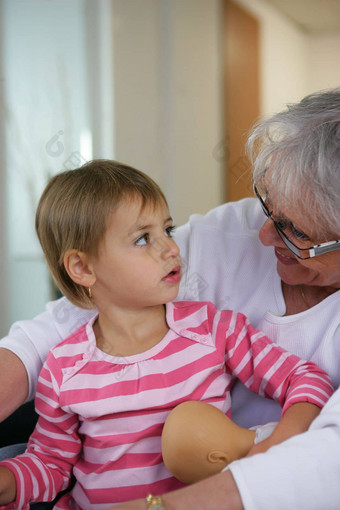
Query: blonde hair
{"points": [[73, 210]]}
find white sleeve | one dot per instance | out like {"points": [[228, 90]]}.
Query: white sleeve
{"points": [[303, 472], [31, 340], [241, 217]]}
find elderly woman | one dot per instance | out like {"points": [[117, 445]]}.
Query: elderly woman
{"points": [[283, 271]]}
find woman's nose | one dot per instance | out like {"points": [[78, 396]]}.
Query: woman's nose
{"points": [[268, 234]]}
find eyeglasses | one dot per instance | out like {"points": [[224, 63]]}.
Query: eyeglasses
{"points": [[301, 253]]}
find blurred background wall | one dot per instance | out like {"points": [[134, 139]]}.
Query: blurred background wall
{"points": [[146, 82]]}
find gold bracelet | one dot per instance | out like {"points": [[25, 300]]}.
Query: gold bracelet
{"points": [[155, 502]]}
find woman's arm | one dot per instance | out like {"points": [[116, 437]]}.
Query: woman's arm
{"points": [[25, 349], [7, 486], [13, 383], [54, 446], [214, 493]]}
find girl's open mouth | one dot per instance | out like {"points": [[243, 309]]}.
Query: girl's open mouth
{"points": [[174, 276]]}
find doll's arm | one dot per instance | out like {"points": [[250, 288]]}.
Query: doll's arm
{"points": [[7, 486]]}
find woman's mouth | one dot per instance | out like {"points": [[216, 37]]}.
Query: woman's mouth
{"points": [[174, 276], [285, 259]]}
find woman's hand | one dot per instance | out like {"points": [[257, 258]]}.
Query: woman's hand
{"points": [[8, 487], [137, 504]]}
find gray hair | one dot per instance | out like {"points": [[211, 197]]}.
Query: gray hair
{"points": [[301, 146]]}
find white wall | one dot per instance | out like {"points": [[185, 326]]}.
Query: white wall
{"points": [[168, 97], [161, 82], [283, 57], [59, 62], [294, 63], [4, 307], [45, 113], [323, 66]]}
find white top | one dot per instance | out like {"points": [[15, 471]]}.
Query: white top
{"points": [[225, 263]]}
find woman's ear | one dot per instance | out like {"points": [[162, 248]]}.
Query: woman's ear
{"points": [[79, 268]]}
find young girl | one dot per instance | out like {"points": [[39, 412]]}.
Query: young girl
{"points": [[105, 392]]}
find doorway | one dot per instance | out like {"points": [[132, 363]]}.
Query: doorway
{"points": [[241, 97]]}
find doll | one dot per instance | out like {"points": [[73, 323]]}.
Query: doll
{"points": [[199, 440]]}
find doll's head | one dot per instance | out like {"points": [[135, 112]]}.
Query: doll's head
{"points": [[199, 440], [73, 212]]}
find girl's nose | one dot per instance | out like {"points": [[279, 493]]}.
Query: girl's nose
{"points": [[170, 248]]}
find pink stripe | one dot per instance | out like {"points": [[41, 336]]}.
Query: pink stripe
{"points": [[129, 437], [129, 461], [108, 495], [185, 309], [174, 347], [148, 382]]}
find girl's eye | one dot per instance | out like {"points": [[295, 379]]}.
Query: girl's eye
{"points": [[169, 230], [142, 240]]}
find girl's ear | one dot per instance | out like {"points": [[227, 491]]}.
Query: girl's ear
{"points": [[79, 268]]}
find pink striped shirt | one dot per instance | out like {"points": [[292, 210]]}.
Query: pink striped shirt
{"points": [[101, 416]]}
